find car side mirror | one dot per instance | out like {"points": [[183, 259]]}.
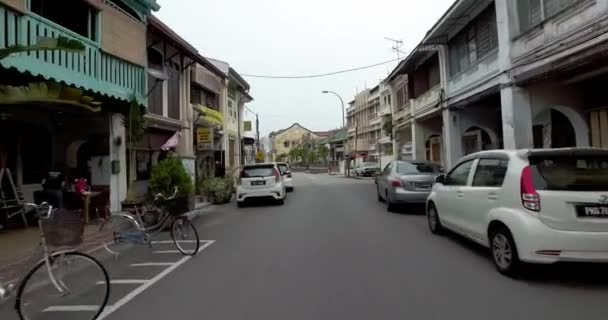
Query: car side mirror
{"points": [[440, 179]]}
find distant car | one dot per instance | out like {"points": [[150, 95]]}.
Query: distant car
{"points": [[367, 169], [285, 170], [404, 182], [260, 181], [538, 206]]}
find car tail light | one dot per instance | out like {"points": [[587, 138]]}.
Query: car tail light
{"points": [[396, 183], [241, 176], [529, 197], [277, 175]]}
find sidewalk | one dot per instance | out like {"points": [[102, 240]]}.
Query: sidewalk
{"points": [[18, 247]]}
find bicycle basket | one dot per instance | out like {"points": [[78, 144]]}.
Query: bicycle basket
{"points": [[63, 228]]}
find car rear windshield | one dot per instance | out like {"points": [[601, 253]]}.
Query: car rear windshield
{"points": [[570, 173], [258, 171], [416, 168], [370, 164]]}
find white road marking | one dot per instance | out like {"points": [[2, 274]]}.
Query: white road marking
{"points": [[109, 310], [180, 241], [166, 251], [125, 281], [71, 309], [152, 264]]}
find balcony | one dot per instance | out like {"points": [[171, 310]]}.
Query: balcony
{"points": [[375, 119], [403, 113], [427, 101], [92, 69]]}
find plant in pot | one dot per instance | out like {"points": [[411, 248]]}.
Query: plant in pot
{"points": [[219, 190], [167, 175]]}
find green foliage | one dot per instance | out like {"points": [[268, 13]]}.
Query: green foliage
{"points": [[282, 157], [167, 175], [219, 189]]}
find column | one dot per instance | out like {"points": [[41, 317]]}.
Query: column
{"points": [[118, 162], [516, 118], [452, 137], [418, 141]]}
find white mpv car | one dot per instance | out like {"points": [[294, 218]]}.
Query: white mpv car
{"points": [[539, 206], [260, 181]]}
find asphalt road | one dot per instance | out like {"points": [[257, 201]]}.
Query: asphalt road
{"points": [[333, 252]]}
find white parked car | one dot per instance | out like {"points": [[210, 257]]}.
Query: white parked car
{"points": [[287, 177], [260, 181], [537, 206]]}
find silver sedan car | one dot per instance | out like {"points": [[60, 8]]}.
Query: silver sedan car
{"points": [[404, 182]]}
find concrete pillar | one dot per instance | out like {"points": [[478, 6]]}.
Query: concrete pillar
{"points": [[118, 160], [452, 137], [418, 141], [516, 118], [507, 26]]}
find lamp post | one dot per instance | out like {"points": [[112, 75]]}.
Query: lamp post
{"points": [[345, 141]]}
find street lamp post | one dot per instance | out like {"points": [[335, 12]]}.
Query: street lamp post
{"points": [[345, 141]]}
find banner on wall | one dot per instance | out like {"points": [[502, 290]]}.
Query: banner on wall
{"points": [[204, 138], [247, 126]]}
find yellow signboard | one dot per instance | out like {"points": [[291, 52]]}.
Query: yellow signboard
{"points": [[211, 116], [204, 138]]}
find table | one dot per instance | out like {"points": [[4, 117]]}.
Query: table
{"points": [[86, 196]]}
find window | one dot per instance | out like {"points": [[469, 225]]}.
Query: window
{"points": [[258, 171], [196, 95], [406, 168], [387, 169], [459, 175], [286, 144], [80, 18], [570, 173], [173, 70], [490, 173], [478, 39], [402, 96], [124, 8], [533, 12]]}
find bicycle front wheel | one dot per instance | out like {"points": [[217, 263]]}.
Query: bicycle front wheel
{"points": [[185, 236], [68, 282]]}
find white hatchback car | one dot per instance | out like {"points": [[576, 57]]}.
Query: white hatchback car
{"points": [[260, 181], [538, 206], [287, 177]]}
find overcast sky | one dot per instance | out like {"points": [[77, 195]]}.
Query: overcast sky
{"points": [[287, 37]]}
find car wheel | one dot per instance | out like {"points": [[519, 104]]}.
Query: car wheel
{"points": [[504, 251], [378, 194], [390, 206], [240, 204], [281, 201], [433, 220]]}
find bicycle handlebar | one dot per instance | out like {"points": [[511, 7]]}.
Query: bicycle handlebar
{"points": [[41, 206], [160, 196]]}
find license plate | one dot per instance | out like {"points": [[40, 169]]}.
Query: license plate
{"points": [[258, 183], [592, 211], [424, 185]]}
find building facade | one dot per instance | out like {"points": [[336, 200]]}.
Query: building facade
{"points": [[504, 74], [62, 111]]}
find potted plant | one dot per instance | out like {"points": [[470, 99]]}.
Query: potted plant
{"points": [[167, 175], [219, 190]]}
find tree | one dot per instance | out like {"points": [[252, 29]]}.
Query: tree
{"points": [[323, 153]]}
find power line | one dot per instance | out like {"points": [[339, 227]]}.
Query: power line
{"points": [[319, 75]]}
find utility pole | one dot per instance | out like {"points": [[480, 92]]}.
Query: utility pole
{"points": [[397, 44], [257, 132], [356, 139]]}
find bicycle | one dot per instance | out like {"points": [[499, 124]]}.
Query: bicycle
{"points": [[130, 227], [59, 274]]}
